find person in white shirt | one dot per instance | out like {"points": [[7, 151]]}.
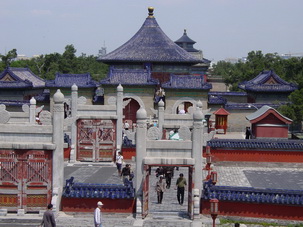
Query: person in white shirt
{"points": [[119, 162], [98, 215]]}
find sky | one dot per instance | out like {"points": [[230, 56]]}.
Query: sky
{"points": [[221, 28]]}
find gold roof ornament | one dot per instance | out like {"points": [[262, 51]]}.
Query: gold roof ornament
{"points": [[151, 12]]}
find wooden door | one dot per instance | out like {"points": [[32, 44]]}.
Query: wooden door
{"points": [[25, 179], [96, 140]]}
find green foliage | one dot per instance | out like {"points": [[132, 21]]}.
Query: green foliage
{"points": [[46, 66], [290, 70]]}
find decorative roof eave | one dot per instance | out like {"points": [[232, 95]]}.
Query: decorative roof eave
{"points": [[187, 82], [227, 93], [271, 88], [216, 100], [129, 77], [14, 102], [263, 112], [267, 144], [67, 81], [18, 84], [36, 81], [150, 44], [258, 83]]}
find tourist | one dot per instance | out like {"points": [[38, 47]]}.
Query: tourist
{"points": [[181, 183], [125, 174], [248, 133], [160, 188], [98, 215], [174, 135], [49, 217], [119, 161]]}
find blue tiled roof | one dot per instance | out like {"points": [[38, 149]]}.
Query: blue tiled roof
{"points": [[252, 195], [14, 102], [259, 83], [24, 78], [186, 43], [150, 44], [129, 77], [227, 93], [257, 144], [44, 96], [86, 190], [67, 80], [187, 82], [245, 106], [214, 99]]}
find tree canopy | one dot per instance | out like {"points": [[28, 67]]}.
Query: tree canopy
{"points": [[46, 66], [290, 70]]}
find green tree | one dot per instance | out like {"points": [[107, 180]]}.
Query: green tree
{"points": [[9, 57]]}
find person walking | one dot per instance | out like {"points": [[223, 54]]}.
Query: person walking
{"points": [[160, 188], [181, 183], [49, 217], [119, 161], [98, 215], [125, 174], [248, 133]]}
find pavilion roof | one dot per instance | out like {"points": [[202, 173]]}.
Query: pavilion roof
{"points": [[267, 81], [20, 78], [150, 44]]}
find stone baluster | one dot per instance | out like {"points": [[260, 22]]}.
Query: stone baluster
{"points": [[140, 154], [58, 140], [74, 110], [119, 116], [32, 111]]}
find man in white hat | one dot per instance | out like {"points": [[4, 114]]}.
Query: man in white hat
{"points": [[98, 215]]}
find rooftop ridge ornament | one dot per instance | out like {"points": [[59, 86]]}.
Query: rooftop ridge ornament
{"points": [[151, 12]]}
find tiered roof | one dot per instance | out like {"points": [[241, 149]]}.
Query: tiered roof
{"points": [[20, 78], [150, 44], [267, 81], [186, 43], [67, 80]]}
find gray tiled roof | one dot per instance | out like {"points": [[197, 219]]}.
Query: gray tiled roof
{"points": [[258, 84], [262, 111], [150, 44], [67, 80], [24, 78], [187, 82]]}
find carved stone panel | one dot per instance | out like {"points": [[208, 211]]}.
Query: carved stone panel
{"points": [[45, 117], [4, 116], [184, 133], [153, 133]]}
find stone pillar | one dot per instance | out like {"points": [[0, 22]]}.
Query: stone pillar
{"points": [[161, 116], [58, 157], [74, 109], [119, 116], [140, 154], [197, 155], [32, 111]]}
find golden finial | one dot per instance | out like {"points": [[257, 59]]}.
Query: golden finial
{"points": [[151, 12]]}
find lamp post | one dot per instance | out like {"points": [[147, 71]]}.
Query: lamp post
{"points": [[208, 162], [214, 207], [214, 177]]}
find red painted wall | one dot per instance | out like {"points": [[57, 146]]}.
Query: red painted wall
{"points": [[255, 210], [128, 152], [221, 155], [89, 204]]}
